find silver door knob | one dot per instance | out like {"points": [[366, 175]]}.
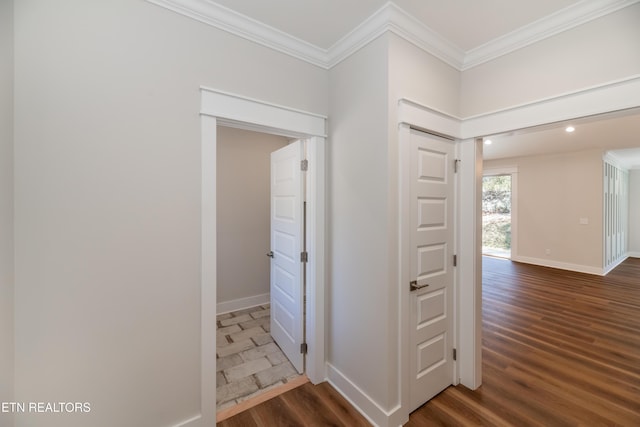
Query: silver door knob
{"points": [[270, 254]]}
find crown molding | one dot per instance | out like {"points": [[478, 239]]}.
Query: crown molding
{"points": [[208, 12], [391, 18], [388, 18], [563, 20], [617, 158]]}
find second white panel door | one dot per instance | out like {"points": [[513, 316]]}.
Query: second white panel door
{"points": [[287, 231], [431, 266]]}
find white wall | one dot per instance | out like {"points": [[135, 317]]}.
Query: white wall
{"points": [[107, 190], [358, 254], [107, 200], [554, 192], [420, 77], [6, 207], [364, 316], [634, 213], [598, 52], [243, 229]]}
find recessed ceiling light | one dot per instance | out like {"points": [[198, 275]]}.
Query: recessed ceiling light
{"points": [[570, 129], [488, 141]]}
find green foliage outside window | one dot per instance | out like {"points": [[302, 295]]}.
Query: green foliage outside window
{"points": [[496, 212]]}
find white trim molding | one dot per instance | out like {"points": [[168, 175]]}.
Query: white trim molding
{"points": [[430, 119], [242, 303], [208, 269], [228, 20], [191, 422], [560, 265], [613, 265], [241, 111], [609, 97], [390, 17], [469, 281], [556, 23], [616, 160], [360, 400], [222, 108]]}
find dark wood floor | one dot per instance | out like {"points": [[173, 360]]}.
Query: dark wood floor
{"points": [[308, 405], [559, 349]]}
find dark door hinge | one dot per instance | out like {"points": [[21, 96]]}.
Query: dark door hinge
{"points": [[455, 354], [455, 165], [303, 348], [304, 165], [304, 256], [455, 260]]}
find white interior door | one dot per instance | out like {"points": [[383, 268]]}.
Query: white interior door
{"points": [[287, 231], [431, 264]]}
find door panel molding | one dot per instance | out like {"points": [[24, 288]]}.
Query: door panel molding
{"points": [[431, 250], [287, 242], [467, 332]]}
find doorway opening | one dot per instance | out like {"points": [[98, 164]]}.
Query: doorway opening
{"points": [[496, 215], [220, 108], [249, 361]]}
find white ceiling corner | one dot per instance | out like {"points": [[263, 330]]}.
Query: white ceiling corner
{"points": [[391, 17], [416, 32]]}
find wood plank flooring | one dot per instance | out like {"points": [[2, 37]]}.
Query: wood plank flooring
{"points": [[559, 349], [308, 405]]}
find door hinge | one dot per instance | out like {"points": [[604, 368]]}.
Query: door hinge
{"points": [[455, 354], [304, 256], [455, 165], [304, 165], [303, 348], [455, 260]]}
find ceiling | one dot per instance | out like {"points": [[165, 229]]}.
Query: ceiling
{"points": [[618, 133], [465, 23]]}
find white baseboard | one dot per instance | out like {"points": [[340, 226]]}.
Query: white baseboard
{"points": [[561, 265], [361, 401], [614, 264], [242, 303], [634, 254], [191, 422]]}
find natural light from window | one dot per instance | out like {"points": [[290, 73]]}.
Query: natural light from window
{"points": [[496, 216]]}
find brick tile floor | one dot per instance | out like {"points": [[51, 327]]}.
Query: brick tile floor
{"points": [[248, 361]]}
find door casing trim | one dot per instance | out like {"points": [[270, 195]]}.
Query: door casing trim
{"points": [[223, 108]]}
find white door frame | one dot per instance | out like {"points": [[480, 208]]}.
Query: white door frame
{"points": [[222, 108], [468, 229], [466, 312]]}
